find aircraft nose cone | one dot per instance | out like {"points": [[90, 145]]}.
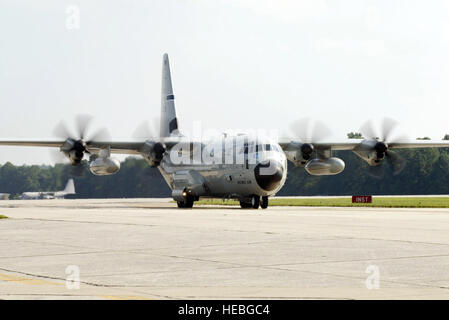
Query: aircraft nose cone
{"points": [[268, 174]]}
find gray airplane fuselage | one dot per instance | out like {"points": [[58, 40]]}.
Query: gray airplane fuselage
{"points": [[42, 195], [229, 167]]}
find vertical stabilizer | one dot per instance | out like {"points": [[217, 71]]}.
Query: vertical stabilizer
{"points": [[169, 122], [69, 187]]}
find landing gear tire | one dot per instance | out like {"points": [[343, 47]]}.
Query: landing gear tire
{"points": [[187, 203], [255, 201], [245, 205], [264, 202]]}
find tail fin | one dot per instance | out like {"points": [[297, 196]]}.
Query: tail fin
{"points": [[169, 122], [69, 187]]}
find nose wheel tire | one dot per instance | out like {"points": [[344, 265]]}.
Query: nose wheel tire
{"points": [[264, 202]]}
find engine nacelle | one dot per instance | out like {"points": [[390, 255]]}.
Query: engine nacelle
{"points": [[104, 166], [75, 157], [74, 150], [325, 167], [299, 153], [153, 152], [371, 151]]}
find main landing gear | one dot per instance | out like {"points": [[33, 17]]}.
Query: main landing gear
{"points": [[187, 203], [255, 202]]}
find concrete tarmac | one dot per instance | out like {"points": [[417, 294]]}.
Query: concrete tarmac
{"points": [[148, 249]]}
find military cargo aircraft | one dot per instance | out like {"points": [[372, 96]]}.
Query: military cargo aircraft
{"points": [[69, 189], [245, 167]]}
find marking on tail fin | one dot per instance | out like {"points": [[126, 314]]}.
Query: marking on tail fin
{"points": [[173, 125]]}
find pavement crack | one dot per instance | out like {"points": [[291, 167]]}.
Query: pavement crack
{"points": [[90, 222]]}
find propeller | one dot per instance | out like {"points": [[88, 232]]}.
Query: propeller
{"points": [[309, 132], [384, 138], [81, 136], [77, 143], [148, 130], [152, 133]]}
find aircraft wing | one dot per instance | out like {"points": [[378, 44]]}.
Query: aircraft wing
{"points": [[31, 143], [131, 146], [289, 144], [126, 146], [122, 147], [413, 144]]}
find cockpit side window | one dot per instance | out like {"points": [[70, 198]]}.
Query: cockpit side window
{"points": [[259, 148], [273, 147]]}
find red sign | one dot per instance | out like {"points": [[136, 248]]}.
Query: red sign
{"points": [[362, 199]]}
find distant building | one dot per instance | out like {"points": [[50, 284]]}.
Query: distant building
{"points": [[4, 196]]}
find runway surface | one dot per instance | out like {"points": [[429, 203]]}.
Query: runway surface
{"points": [[148, 249]]}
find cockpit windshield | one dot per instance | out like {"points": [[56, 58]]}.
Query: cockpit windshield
{"points": [[267, 147], [256, 148]]}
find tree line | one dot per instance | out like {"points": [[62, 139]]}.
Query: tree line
{"points": [[426, 172]]}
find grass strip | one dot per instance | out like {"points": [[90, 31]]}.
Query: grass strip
{"points": [[385, 202]]}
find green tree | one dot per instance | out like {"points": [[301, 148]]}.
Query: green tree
{"points": [[355, 135], [426, 172]]}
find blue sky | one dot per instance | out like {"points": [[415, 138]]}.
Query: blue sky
{"points": [[235, 64]]}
